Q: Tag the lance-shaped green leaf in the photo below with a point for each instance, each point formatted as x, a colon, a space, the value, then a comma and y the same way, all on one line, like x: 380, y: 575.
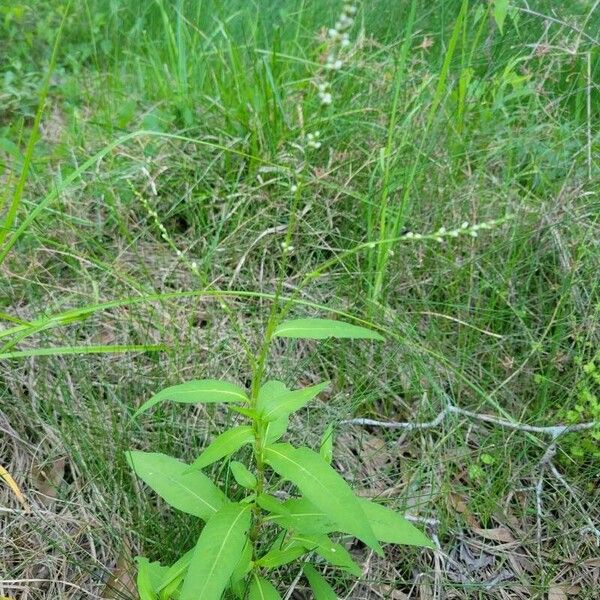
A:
x: 174, y: 575
x: 217, y: 553
x: 223, y: 445
x: 321, y: 589
x: 326, y: 448
x: 275, y: 429
x: 261, y: 589
x: 323, y: 487
x: 281, y: 553
x: 391, y: 527
x: 197, y: 391
x: 192, y: 493
x: 332, y: 552
x: 277, y: 407
x: 270, y: 391
x: 242, y: 475
x: 500, y: 11
x: 148, y: 578
x: 271, y: 504
x: 277, y: 557
x: 320, y: 329
x: 301, y: 516
x: 238, y: 584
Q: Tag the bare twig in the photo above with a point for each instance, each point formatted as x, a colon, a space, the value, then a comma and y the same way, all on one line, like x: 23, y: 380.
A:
x: 554, y: 431
x: 545, y: 464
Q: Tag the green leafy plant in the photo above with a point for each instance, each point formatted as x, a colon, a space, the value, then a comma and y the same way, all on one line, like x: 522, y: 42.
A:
x: 244, y: 541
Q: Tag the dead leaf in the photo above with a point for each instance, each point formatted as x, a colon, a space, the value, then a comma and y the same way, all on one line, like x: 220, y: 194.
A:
x: 459, y: 504
x: 48, y: 479
x: 556, y: 592
x: 425, y: 591
x: 388, y: 592
x: 520, y: 563
x: 426, y: 43
x: 497, y: 534
x: 12, y: 484
x: 121, y: 583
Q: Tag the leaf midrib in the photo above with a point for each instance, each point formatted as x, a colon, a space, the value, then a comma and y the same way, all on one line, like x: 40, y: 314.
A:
x: 313, y: 477
x: 191, y: 491
x: 205, y: 391
x: 234, y: 522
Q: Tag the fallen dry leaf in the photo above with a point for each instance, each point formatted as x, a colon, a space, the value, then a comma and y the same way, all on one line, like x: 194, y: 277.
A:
x: 121, y: 583
x: 12, y: 484
x: 48, y: 479
x: 459, y: 504
x: 426, y: 43
x: 497, y: 534
x: 556, y: 592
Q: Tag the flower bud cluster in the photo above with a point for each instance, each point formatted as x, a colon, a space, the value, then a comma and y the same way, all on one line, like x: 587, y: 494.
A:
x: 164, y: 234
x: 338, y: 40
x: 464, y: 230
x: 312, y: 140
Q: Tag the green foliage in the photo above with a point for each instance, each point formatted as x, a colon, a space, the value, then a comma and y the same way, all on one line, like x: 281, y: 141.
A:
x: 321, y: 485
x: 200, y: 391
x: 320, y: 329
x: 193, y: 493
x: 321, y: 589
x: 585, y: 445
x: 500, y: 13
x: 232, y: 551
x: 242, y: 475
x: 224, y: 445
x: 261, y: 589
x: 218, y: 551
x: 274, y: 407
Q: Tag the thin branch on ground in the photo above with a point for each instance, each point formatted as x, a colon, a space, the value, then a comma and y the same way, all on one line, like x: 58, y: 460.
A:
x: 545, y: 464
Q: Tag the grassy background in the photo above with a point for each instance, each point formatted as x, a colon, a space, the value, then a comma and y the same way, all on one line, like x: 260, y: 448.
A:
x: 433, y: 123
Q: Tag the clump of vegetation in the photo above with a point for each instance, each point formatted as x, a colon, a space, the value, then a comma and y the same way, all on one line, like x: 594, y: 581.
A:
x: 256, y: 533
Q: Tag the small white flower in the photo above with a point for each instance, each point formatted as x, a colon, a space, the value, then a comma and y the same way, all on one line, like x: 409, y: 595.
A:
x: 326, y: 98
x: 293, y: 188
x: 346, y: 21
x: 473, y: 233
x: 323, y: 86
x: 333, y: 33
x: 194, y: 266
x: 350, y: 9
x: 337, y: 65
x: 345, y: 42
x: 465, y: 225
